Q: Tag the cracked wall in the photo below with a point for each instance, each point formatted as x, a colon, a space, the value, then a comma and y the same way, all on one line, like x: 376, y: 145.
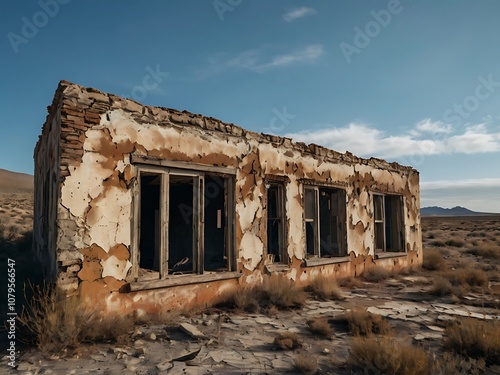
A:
x: 92, y: 181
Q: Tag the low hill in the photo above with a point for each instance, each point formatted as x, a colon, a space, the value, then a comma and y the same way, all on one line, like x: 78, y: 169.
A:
x: 455, y: 211
x: 13, y: 182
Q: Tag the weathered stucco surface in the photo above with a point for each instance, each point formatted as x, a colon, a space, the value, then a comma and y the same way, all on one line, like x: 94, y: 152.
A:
x: 86, y: 149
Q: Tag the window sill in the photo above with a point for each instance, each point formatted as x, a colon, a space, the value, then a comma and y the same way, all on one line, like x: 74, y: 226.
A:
x: 277, y: 267
x: 180, y: 280
x: 312, y: 262
x: 390, y: 255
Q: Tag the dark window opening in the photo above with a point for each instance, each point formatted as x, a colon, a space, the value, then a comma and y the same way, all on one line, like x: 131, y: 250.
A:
x: 276, y: 244
x: 184, y: 223
x: 332, y: 222
x: 215, y: 257
x: 181, y: 225
x: 150, y: 221
x: 388, y: 215
x: 311, y: 221
x: 325, y: 222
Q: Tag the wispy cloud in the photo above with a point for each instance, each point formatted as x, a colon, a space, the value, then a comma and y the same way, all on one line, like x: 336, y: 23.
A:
x: 425, y: 138
x: 296, y: 13
x: 258, y: 60
x: 468, y: 183
x: 309, y: 54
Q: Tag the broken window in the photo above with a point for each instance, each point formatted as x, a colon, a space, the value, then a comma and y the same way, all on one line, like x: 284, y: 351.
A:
x: 388, y: 217
x: 276, y: 238
x: 184, y: 223
x: 325, y: 222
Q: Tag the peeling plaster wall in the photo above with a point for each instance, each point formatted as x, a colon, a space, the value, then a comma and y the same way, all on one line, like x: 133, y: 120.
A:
x: 98, y: 134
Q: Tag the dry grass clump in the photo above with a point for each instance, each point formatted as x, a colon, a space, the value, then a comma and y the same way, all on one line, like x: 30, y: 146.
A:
x: 55, y: 322
x: 376, y: 273
x: 246, y: 300
x: 458, y: 281
x: 384, y: 355
x: 456, y: 242
x: 12, y: 239
x: 451, y: 363
x: 433, y: 260
x: 486, y: 251
x: 321, y: 326
x: 305, y: 363
x: 287, y: 341
x: 278, y: 290
x: 351, y: 282
x: 468, y: 276
x: 475, y: 338
x: 442, y: 287
x: 325, y: 289
x: 476, y: 234
x: 361, y: 322
x: 438, y: 243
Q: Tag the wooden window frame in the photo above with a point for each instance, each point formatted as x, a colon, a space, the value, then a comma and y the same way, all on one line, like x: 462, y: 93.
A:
x: 198, y: 173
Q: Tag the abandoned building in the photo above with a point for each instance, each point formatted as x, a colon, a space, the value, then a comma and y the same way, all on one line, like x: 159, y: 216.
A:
x: 143, y: 208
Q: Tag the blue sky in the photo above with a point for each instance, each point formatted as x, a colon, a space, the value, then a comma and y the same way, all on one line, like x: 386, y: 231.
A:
x: 417, y: 82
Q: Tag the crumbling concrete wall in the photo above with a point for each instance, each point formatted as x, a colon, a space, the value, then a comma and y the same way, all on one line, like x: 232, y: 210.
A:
x: 98, y: 133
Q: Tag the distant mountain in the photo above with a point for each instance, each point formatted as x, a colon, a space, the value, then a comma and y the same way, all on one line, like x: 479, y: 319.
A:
x: 13, y: 182
x: 455, y: 211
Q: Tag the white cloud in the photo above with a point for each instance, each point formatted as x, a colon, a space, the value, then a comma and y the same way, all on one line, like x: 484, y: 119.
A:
x: 469, y: 183
x: 296, y: 13
x: 426, y: 138
x: 433, y: 127
x: 254, y: 60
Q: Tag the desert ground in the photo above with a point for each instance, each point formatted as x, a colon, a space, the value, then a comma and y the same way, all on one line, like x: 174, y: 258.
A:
x: 442, y: 319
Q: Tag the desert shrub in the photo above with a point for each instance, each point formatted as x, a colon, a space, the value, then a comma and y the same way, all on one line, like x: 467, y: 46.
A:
x: 476, y: 234
x: 455, y: 241
x: 376, y: 273
x: 384, y: 355
x: 350, y: 282
x: 467, y: 277
x: 486, y: 251
x: 433, y: 260
x: 321, y: 326
x: 438, y: 243
x: 305, y: 363
x: 451, y: 363
x: 278, y: 290
x: 431, y: 235
x: 245, y: 300
x: 54, y: 322
x: 287, y: 340
x: 359, y: 321
x: 443, y: 287
x: 13, y: 241
x: 474, y: 338
x: 325, y: 288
